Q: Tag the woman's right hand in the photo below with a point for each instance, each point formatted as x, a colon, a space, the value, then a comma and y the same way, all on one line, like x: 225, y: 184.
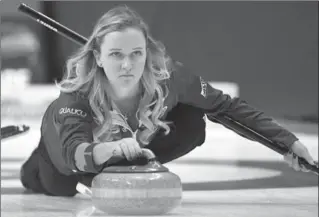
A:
x: 125, y: 148
x: 130, y: 148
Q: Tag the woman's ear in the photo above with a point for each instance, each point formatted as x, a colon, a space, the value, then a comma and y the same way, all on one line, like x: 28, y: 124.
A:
x: 97, y: 57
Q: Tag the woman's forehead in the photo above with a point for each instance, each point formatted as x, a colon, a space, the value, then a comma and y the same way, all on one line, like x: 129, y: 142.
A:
x: 127, y: 39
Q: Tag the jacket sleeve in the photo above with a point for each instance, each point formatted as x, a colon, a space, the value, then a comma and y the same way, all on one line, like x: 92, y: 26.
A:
x: 193, y: 90
x: 74, y: 128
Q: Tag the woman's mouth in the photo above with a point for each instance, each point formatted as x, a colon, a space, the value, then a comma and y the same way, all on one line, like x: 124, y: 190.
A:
x: 126, y: 76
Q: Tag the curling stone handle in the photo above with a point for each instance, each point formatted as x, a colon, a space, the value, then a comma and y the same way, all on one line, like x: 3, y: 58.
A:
x: 83, y: 189
x: 150, y: 156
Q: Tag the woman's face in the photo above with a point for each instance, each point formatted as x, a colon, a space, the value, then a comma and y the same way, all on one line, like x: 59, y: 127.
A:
x: 123, y: 57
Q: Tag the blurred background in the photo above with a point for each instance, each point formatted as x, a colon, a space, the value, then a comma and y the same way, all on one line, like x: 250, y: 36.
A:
x: 268, y: 49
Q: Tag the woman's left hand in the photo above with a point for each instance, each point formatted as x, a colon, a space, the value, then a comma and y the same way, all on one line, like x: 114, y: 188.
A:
x: 298, y: 150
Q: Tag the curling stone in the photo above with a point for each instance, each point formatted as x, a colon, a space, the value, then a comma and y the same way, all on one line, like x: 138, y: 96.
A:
x: 149, y: 189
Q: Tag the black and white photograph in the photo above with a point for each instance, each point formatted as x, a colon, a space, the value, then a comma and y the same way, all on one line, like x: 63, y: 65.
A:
x: 159, y: 108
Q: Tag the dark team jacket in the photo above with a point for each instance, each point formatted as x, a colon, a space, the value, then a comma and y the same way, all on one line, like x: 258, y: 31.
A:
x: 69, y: 120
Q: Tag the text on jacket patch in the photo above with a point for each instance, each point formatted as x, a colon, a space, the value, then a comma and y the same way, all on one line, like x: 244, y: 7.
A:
x: 73, y: 111
x: 204, y: 87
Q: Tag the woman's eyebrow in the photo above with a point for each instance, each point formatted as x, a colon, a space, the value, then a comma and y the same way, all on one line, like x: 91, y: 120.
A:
x: 118, y: 49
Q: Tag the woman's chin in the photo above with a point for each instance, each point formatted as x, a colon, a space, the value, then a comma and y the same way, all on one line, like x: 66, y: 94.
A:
x: 126, y: 86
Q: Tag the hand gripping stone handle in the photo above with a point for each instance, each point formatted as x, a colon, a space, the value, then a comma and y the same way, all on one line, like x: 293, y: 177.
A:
x: 85, y: 190
x: 148, y: 154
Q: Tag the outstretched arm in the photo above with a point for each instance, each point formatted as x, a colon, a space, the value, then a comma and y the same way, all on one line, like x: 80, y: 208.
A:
x: 193, y: 90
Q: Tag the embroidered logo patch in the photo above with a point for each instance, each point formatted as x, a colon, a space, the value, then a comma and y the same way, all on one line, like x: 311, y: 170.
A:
x: 204, y: 87
x: 73, y: 111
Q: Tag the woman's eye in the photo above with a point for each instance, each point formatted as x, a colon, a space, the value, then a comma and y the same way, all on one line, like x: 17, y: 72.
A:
x: 139, y: 53
x: 116, y: 54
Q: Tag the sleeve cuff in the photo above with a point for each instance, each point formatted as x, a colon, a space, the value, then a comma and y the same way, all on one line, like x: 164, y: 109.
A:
x: 290, y: 141
x: 83, y: 159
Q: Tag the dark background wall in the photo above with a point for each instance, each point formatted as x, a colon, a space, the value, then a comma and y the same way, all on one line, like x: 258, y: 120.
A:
x: 270, y: 49
x: 13, y: 23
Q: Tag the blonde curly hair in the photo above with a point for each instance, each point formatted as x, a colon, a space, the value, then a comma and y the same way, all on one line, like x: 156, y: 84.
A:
x: 84, y: 76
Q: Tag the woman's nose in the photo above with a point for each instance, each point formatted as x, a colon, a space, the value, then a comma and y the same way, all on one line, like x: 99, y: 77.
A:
x: 127, y: 64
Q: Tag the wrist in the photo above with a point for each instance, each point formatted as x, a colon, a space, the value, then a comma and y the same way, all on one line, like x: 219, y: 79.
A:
x: 295, y: 145
x: 84, y: 159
